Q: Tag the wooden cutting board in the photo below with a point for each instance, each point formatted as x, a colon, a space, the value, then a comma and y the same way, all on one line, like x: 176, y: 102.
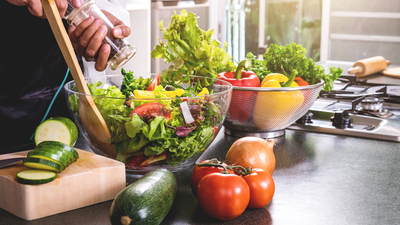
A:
x: 392, y: 72
x: 91, y: 179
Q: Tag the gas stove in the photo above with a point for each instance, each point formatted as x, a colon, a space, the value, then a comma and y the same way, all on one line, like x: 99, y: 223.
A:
x: 356, y: 107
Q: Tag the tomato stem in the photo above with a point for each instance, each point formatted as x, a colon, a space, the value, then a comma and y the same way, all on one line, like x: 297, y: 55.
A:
x: 214, y: 162
x: 240, y: 170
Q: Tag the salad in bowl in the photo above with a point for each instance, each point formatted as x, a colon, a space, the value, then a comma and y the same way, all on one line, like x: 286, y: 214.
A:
x: 156, y: 122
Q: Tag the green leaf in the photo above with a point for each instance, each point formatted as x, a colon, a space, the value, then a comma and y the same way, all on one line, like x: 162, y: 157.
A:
x: 282, y: 59
x: 191, y: 49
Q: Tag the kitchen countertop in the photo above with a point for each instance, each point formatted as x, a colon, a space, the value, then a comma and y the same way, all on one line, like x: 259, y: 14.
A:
x: 319, y: 178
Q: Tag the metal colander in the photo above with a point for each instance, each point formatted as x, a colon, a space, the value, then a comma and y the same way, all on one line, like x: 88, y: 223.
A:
x: 266, y: 112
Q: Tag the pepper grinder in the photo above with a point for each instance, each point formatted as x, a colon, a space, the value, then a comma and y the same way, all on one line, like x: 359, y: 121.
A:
x: 121, y: 50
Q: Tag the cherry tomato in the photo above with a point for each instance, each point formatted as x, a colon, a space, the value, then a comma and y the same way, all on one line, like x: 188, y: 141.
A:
x: 200, y: 172
x: 215, y: 130
x: 262, y: 188
x: 152, y: 110
x: 154, y: 83
x: 223, y: 196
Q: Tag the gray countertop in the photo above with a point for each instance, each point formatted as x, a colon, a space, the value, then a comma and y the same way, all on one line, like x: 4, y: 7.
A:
x: 319, y: 178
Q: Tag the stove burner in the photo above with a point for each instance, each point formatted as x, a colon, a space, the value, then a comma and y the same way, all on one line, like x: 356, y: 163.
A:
x: 372, y: 104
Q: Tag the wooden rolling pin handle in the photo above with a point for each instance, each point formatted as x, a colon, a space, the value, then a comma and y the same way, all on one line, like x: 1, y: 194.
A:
x: 355, y: 70
x: 388, y: 63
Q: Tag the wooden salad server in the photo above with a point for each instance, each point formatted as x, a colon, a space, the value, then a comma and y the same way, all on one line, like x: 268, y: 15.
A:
x: 91, y: 118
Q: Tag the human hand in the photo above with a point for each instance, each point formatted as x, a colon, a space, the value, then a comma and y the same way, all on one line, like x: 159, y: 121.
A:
x: 87, y: 38
x: 36, y: 9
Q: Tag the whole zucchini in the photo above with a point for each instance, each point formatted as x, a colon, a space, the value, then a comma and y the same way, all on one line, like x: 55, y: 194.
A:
x: 146, y: 201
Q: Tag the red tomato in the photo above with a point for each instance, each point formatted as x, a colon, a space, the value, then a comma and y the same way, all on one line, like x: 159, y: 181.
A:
x: 262, y: 188
x: 128, y: 103
x: 154, y: 83
x: 200, y: 172
x: 215, y: 130
x: 223, y: 196
x: 152, y: 110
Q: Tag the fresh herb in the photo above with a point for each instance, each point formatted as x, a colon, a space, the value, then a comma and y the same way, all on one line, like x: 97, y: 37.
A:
x: 190, y: 49
x: 131, y: 83
x: 278, y: 59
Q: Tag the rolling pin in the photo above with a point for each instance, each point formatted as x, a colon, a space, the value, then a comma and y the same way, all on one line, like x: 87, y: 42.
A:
x: 369, y: 66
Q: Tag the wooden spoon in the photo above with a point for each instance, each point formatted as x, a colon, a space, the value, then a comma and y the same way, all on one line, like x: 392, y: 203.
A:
x: 91, y: 118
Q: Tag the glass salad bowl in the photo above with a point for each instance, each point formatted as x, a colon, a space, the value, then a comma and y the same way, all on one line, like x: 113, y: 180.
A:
x: 168, y: 127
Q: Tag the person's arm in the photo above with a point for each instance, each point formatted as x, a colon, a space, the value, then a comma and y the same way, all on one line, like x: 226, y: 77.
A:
x: 87, y: 38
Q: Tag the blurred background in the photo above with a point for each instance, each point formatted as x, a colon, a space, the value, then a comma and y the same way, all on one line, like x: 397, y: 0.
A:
x: 342, y: 30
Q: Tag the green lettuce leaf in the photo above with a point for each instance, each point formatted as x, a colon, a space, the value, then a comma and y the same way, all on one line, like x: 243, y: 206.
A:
x: 135, y: 126
x: 156, y: 131
x: 190, y: 49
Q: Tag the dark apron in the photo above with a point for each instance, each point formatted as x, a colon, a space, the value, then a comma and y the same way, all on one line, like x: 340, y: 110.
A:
x: 32, y: 69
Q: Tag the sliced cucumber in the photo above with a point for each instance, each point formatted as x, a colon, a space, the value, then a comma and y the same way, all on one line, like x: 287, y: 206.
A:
x: 35, y: 176
x: 59, y: 146
x: 42, y: 164
x: 67, y: 154
x: 57, y: 129
x: 51, y: 155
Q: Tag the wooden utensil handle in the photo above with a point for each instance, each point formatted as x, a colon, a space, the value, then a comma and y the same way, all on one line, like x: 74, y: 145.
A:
x: 51, y: 11
x: 354, y: 70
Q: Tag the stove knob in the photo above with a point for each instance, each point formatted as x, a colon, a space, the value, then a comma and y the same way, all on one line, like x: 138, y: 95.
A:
x: 342, y: 120
x: 305, y: 119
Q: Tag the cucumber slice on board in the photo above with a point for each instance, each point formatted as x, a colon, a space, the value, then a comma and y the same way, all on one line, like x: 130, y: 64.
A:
x: 57, y: 129
x: 42, y: 164
x: 50, y: 155
x: 67, y: 154
x: 35, y: 176
x: 59, y: 146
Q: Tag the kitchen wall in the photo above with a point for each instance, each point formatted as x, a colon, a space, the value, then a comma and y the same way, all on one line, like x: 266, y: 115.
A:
x: 364, y: 28
x: 354, y: 29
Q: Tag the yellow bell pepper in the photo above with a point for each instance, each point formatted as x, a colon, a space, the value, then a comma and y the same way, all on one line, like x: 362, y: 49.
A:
x: 203, y: 92
x: 276, y: 77
x: 143, y: 94
x: 273, y: 110
x: 151, y: 94
x: 172, y: 94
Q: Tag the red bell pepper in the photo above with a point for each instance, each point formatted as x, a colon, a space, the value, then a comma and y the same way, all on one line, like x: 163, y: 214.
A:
x: 300, y: 81
x: 242, y: 102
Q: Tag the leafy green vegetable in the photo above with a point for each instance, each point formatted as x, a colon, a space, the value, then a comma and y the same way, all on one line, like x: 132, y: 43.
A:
x: 280, y: 59
x: 131, y: 83
x: 190, y: 49
x: 135, y: 126
x: 114, y: 104
x: 133, y: 135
